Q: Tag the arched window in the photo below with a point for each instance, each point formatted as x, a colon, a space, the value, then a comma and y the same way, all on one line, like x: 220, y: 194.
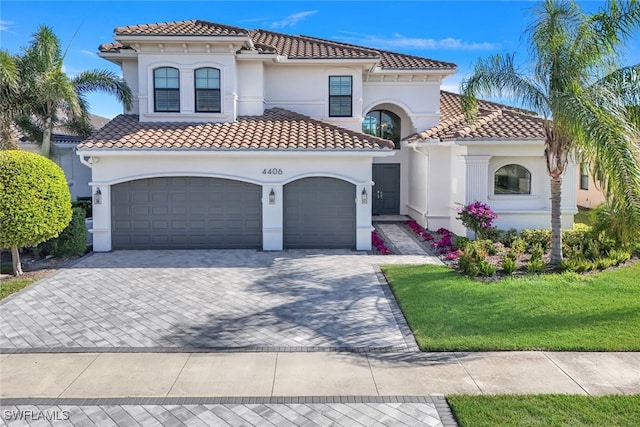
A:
x: 166, y: 90
x: 384, y: 124
x: 512, y: 179
x: 207, y: 88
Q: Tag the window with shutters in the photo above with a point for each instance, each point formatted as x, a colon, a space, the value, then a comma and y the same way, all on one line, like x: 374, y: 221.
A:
x: 340, y: 94
x: 207, y: 90
x: 166, y: 90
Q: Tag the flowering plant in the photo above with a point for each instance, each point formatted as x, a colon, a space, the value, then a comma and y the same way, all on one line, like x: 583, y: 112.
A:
x: 378, y: 243
x: 419, y: 230
x: 478, y: 217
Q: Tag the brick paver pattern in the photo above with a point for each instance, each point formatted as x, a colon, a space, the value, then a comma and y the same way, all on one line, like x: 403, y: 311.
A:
x: 207, y: 299
x: 262, y: 414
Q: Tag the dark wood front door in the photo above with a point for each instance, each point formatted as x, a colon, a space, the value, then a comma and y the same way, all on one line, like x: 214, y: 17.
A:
x: 386, y: 189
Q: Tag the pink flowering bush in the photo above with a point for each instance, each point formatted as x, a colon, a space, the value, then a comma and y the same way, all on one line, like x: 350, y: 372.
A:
x: 421, y: 232
x: 478, y: 217
x: 378, y: 243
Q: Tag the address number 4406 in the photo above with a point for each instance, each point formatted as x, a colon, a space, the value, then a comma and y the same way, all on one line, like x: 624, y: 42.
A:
x: 272, y: 171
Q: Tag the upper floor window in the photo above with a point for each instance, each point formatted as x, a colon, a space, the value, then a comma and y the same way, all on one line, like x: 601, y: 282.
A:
x: 166, y: 89
x: 384, y: 124
x: 340, y: 96
x: 207, y: 87
x: 584, y: 176
x: 512, y: 179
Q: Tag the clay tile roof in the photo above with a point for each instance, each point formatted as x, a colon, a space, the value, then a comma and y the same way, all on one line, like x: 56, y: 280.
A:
x: 194, y: 27
x: 112, y: 47
x: 304, y: 47
x: 277, y: 129
x: 494, y: 121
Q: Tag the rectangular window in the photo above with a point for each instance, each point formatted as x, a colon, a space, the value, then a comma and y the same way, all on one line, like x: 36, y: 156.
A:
x: 166, y: 87
x: 584, y: 177
x: 340, y: 91
x: 207, y: 87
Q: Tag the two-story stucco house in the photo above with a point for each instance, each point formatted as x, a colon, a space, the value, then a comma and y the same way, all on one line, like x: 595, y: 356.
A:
x: 254, y: 139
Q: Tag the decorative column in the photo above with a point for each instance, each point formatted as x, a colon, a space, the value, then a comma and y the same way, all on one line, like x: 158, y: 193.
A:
x: 363, y: 216
x: 101, y: 229
x: 272, y: 217
x: 477, y: 178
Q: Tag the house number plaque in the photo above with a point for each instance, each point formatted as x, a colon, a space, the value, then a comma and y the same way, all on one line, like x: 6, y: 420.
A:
x: 273, y: 171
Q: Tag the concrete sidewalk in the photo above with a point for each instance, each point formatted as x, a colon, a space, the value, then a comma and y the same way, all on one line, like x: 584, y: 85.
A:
x: 166, y: 375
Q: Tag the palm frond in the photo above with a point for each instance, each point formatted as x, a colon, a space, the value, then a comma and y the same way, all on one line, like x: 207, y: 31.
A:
x: 104, y: 81
x: 497, y: 76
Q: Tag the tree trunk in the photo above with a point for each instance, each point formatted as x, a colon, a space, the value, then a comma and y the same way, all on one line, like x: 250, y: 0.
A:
x: 15, y: 257
x: 45, y: 148
x: 556, y: 223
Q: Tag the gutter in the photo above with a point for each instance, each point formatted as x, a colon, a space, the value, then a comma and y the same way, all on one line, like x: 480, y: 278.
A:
x: 92, y: 153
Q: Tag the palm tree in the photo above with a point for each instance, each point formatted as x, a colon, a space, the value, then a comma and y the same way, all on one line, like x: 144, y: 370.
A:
x: 589, y: 103
x: 9, y: 100
x: 55, y: 99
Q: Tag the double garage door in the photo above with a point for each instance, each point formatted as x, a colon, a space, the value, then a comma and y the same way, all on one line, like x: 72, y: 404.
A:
x: 214, y: 213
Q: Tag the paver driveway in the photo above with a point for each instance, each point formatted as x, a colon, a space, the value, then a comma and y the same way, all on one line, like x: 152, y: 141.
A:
x: 209, y: 299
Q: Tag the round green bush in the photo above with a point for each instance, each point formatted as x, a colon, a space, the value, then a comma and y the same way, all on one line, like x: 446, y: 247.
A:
x: 35, y: 204
x: 71, y: 242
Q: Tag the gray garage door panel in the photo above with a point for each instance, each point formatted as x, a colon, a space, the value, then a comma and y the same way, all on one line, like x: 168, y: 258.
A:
x: 319, y: 213
x: 186, y: 212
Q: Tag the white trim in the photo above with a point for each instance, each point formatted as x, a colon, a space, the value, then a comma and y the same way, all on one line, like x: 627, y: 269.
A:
x: 234, y: 153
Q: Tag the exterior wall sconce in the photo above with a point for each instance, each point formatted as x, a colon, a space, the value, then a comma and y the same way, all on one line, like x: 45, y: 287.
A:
x: 97, y: 196
x: 364, y: 196
x: 272, y: 197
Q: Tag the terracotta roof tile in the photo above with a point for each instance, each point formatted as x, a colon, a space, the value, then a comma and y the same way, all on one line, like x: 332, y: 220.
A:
x: 294, y: 47
x: 494, y: 121
x: 194, y: 27
x: 277, y: 129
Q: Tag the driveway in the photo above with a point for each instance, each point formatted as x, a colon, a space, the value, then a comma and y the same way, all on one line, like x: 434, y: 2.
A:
x: 210, y: 300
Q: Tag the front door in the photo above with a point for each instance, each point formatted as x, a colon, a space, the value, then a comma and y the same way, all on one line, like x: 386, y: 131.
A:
x: 386, y: 189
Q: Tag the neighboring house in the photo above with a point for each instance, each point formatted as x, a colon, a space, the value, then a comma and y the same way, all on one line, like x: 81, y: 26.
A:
x: 589, y: 193
x: 64, y: 154
x: 255, y: 139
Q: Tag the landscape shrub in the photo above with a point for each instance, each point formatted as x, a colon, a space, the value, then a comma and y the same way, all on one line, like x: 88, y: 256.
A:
x: 486, y: 268
x: 507, y: 237
x: 471, y: 257
x: 532, y: 238
x: 518, y: 246
x: 619, y: 255
x: 461, y: 242
x: 535, y: 266
x: 72, y: 241
x: 84, y: 203
x: 478, y: 217
x: 509, y: 264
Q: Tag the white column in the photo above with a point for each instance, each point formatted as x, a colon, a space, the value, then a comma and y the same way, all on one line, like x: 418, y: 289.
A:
x: 272, y: 217
x: 101, y: 218
x: 477, y: 178
x: 363, y: 217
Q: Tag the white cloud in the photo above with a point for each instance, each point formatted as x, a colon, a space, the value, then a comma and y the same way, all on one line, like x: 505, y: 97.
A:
x: 88, y: 53
x: 293, y: 19
x: 4, y: 25
x: 398, y: 41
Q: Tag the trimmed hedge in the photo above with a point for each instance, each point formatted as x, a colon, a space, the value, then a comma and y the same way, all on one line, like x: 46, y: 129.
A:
x: 71, y: 242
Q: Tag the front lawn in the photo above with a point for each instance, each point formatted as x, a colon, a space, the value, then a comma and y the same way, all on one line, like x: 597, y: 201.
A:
x: 450, y: 312
x: 14, y: 284
x: 545, y: 410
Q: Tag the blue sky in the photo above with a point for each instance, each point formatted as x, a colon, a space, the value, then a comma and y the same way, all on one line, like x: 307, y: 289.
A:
x: 454, y: 31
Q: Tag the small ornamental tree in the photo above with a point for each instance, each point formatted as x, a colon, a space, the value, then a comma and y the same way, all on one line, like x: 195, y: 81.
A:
x: 35, y: 204
x: 478, y: 217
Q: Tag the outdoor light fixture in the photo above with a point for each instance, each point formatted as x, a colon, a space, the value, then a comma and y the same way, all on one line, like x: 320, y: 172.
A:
x: 364, y: 196
x: 272, y: 197
x: 97, y: 196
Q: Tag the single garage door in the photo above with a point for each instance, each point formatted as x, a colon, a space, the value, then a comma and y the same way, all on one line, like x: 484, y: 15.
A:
x: 319, y: 213
x: 185, y: 213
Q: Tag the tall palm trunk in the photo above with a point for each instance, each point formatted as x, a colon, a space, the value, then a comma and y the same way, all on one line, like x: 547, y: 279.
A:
x: 45, y: 148
x: 556, y: 220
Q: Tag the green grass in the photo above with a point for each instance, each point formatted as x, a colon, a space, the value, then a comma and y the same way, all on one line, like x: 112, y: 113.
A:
x: 450, y: 312
x: 14, y: 284
x: 546, y: 410
x: 583, y: 217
